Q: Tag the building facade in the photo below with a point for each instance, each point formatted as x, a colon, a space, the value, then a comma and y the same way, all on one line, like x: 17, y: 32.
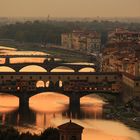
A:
x: 84, y: 41
x: 122, y: 52
x: 123, y: 35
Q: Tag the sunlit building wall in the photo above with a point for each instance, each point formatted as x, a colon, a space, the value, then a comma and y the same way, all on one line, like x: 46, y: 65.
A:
x: 85, y: 41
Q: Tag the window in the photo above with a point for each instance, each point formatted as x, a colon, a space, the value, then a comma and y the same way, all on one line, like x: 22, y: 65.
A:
x: 115, y: 77
x: 96, y: 77
x: 73, y: 138
x: 30, y: 77
x: 106, y: 78
x: 62, y: 137
x: 68, y: 78
x: 137, y: 84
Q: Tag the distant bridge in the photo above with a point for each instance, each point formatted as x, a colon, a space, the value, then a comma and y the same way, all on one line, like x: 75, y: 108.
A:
x: 49, y: 66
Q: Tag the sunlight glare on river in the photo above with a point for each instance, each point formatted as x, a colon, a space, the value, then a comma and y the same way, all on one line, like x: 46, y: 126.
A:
x: 8, y: 103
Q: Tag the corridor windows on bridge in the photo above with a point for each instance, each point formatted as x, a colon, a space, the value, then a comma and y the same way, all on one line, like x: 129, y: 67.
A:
x: 40, y: 77
x: 106, y: 78
x: 2, y: 77
x: 96, y: 78
x: 73, y: 138
x: 59, y: 77
x: 115, y: 77
x: 60, y: 83
x: 87, y: 78
x: 21, y: 77
x: 11, y: 77
x: 68, y: 78
x: 40, y: 84
x: 18, y: 88
x: 31, y: 77
x: 62, y: 137
x: 47, y: 84
x: 137, y: 84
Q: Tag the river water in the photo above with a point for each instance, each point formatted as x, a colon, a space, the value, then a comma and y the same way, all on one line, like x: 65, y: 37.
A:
x: 52, y: 109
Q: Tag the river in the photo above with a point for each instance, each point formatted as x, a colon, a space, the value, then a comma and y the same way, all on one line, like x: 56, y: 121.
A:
x: 52, y: 109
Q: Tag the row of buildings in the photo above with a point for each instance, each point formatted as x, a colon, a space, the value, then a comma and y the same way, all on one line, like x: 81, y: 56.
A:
x: 84, y: 41
x: 120, y: 35
x: 122, y: 52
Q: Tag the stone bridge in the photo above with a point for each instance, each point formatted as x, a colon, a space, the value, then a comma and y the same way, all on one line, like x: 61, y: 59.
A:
x: 48, y: 65
x: 73, y: 85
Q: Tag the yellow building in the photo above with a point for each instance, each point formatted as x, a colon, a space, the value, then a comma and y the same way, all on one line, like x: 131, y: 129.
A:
x: 85, y: 41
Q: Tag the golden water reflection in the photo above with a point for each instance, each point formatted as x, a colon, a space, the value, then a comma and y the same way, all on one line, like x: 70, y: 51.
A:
x: 51, y: 109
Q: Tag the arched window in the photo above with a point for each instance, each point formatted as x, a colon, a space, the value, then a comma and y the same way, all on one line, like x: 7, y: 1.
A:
x: 47, y: 83
x: 60, y: 83
x: 40, y: 84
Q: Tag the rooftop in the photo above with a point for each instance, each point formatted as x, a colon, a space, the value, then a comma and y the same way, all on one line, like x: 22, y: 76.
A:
x: 70, y: 126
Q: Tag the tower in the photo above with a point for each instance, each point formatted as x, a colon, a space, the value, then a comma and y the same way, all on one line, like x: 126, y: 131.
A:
x: 70, y: 131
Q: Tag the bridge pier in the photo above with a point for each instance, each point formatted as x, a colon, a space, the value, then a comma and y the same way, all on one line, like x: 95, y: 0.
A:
x: 7, y: 60
x: 23, y: 103
x: 74, y: 100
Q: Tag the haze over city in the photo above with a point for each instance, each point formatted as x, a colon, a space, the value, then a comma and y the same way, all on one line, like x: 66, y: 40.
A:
x: 69, y: 69
x: 70, y: 8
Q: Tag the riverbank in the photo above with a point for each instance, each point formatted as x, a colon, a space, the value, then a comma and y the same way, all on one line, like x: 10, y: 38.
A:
x: 66, y: 55
x: 128, y: 113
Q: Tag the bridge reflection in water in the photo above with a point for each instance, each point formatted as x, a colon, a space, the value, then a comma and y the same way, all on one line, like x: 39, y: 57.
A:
x: 56, y: 112
x: 30, y: 116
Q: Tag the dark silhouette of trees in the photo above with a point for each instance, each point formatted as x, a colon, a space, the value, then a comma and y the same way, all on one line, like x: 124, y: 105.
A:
x: 50, y: 31
x: 50, y: 134
x: 9, y: 133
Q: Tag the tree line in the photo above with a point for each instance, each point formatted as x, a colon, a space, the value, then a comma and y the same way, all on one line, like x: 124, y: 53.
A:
x: 50, y: 31
x: 10, y: 133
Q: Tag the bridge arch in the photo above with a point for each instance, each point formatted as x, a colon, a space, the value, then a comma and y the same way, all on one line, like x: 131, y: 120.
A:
x: 8, y: 102
x: 49, y: 92
x: 62, y: 69
x: 32, y: 68
x: 87, y: 69
x: 6, y: 69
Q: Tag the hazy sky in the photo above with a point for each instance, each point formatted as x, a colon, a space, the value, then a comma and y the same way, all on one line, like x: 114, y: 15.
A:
x: 70, y: 8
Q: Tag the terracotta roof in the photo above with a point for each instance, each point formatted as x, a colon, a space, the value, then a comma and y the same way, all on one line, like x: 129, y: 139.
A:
x: 70, y: 126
